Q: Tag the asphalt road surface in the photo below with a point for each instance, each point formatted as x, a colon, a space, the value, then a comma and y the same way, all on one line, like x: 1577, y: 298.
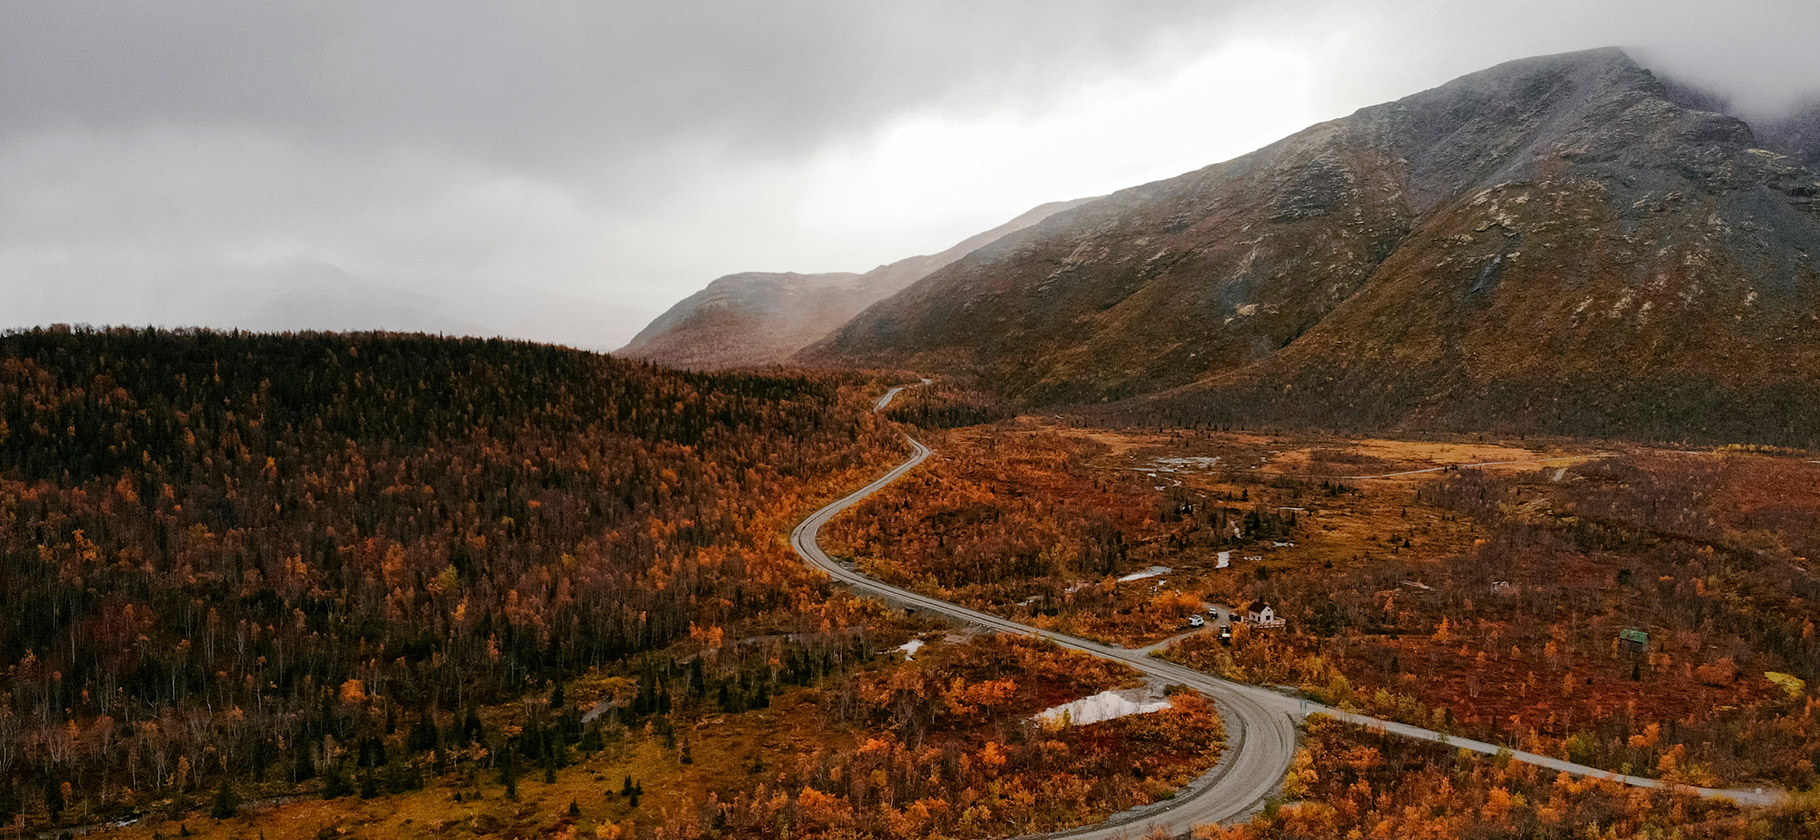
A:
x: 1260, y: 728
x: 1260, y: 723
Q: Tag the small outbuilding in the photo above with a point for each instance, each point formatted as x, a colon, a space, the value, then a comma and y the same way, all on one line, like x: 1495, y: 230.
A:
x: 1261, y: 615
x: 1633, y: 640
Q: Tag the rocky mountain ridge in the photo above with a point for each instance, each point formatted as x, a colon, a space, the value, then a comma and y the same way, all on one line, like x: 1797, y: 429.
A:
x: 1553, y: 244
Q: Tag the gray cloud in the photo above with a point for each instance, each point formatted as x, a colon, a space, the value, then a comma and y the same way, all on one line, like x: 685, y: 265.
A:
x: 528, y: 83
x: 561, y: 170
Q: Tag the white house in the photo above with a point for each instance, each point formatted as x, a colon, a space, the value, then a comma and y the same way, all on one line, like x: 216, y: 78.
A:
x: 1261, y: 616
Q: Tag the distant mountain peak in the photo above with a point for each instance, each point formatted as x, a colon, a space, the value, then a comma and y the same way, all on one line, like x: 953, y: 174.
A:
x: 758, y: 318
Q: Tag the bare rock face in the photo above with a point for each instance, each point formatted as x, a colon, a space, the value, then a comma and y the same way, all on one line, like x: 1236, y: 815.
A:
x: 761, y: 318
x: 1550, y: 244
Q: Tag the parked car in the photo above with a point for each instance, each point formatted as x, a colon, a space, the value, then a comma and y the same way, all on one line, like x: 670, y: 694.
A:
x: 1225, y: 634
x: 1196, y: 621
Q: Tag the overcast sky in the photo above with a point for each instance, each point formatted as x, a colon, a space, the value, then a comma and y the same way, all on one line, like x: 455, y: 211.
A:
x: 564, y: 172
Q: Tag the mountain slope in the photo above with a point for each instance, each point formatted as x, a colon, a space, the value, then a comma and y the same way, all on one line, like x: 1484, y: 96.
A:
x: 745, y: 319
x: 760, y: 318
x: 1797, y: 134
x: 1553, y: 227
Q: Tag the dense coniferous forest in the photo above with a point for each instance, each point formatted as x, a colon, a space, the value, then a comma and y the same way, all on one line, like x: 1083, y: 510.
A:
x: 263, y: 557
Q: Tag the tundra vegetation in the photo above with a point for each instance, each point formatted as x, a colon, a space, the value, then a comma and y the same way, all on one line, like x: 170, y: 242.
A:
x: 1349, y: 782
x: 1481, y: 601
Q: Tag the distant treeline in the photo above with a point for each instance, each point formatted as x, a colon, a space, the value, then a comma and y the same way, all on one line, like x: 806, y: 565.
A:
x: 1695, y: 411
x: 944, y: 405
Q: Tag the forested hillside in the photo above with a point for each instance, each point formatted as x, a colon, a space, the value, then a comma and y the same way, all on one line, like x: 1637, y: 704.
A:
x: 262, y: 558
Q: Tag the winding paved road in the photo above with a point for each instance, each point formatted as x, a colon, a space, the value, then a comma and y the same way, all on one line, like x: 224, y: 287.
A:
x: 1260, y: 731
x: 1260, y: 724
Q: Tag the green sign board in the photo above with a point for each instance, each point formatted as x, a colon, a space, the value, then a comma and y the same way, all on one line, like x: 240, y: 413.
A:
x: 1635, y: 637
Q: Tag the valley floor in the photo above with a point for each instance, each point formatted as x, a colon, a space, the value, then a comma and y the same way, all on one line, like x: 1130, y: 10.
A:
x: 1476, y: 587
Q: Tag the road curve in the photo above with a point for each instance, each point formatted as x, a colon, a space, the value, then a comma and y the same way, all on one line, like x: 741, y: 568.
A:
x: 1260, y: 727
x: 1260, y: 724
